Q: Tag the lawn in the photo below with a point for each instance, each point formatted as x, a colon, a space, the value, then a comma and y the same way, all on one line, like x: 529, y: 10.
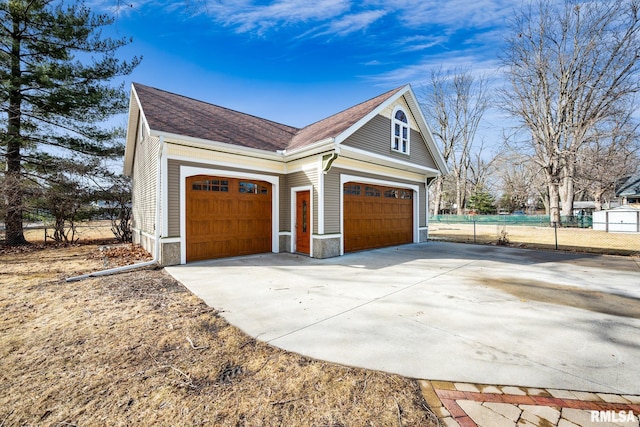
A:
x: 570, y: 239
x: 139, y: 348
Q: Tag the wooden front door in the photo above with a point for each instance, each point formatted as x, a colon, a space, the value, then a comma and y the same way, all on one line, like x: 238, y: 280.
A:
x: 376, y: 216
x: 303, y: 223
x: 227, y: 217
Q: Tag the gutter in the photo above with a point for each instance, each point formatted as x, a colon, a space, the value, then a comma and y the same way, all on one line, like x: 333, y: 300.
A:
x: 156, y: 255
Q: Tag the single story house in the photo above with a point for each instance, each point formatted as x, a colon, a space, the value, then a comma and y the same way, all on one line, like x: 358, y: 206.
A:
x: 629, y: 191
x: 210, y: 182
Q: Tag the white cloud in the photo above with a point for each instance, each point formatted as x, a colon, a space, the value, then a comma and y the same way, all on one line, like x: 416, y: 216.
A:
x: 351, y: 23
x: 420, y: 72
x: 246, y: 16
x: 420, y: 42
x: 453, y: 14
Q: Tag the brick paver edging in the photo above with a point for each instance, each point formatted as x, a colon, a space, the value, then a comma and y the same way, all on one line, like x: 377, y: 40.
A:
x: 442, y: 397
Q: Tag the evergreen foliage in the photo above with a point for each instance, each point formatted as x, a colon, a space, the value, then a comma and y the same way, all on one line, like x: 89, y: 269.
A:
x: 57, y: 90
x: 482, y: 202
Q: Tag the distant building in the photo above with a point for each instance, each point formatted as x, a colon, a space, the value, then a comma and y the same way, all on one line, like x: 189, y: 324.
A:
x: 629, y: 192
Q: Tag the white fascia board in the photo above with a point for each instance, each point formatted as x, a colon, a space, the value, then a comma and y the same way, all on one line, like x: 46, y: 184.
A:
x: 132, y: 137
x: 357, y: 125
x: 388, y: 161
x: 135, y: 110
x: 217, y: 146
x: 424, y: 128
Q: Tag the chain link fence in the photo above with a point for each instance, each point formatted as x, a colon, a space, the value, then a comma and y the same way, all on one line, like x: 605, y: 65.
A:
x: 533, y: 231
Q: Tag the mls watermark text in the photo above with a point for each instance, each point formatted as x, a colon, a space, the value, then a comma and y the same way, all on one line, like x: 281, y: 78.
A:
x: 613, y: 417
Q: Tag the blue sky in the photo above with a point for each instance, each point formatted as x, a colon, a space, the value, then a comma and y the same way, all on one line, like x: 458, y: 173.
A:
x: 298, y: 61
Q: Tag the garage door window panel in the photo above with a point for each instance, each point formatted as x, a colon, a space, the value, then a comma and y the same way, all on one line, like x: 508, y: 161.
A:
x: 211, y: 185
x: 245, y: 187
x: 352, y: 189
x: 372, y: 191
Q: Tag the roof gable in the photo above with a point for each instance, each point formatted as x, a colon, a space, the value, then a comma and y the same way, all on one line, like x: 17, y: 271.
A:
x: 333, y: 126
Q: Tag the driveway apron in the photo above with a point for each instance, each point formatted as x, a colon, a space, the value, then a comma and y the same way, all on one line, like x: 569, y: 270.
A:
x: 442, y: 311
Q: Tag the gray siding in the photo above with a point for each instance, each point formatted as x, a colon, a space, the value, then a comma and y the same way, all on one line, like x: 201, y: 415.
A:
x: 285, y: 204
x: 173, y: 198
x: 375, y: 137
x: 299, y: 179
x: 174, y: 189
x: 419, y: 151
x: 332, y: 201
x: 144, y: 185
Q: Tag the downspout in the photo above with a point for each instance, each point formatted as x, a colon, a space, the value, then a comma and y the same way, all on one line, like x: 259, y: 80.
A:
x: 156, y: 255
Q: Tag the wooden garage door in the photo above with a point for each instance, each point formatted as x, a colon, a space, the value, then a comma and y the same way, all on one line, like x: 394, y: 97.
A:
x: 227, y: 217
x: 376, y: 216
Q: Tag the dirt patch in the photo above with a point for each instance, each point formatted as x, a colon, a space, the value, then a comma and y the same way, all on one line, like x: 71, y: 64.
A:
x: 138, y: 348
x: 570, y: 296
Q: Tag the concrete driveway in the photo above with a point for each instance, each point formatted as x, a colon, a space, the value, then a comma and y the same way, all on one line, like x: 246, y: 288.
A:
x: 442, y: 311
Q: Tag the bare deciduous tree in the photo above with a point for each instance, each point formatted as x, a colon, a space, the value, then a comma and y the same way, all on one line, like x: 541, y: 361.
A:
x: 480, y: 170
x: 454, y: 104
x: 117, y: 197
x: 519, y: 178
x: 569, y: 67
x: 610, y: 156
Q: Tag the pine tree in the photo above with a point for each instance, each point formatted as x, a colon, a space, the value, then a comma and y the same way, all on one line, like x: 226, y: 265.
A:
x: 481, y: 201
x: 56, y: 91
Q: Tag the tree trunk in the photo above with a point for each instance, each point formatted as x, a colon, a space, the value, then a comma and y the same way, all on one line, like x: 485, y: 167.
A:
x: 437, y: 195
x: 554, y: 204
x: 553, y: 185
x: 460, y: 193
x: 567, y: 191
x: 546, y: 204
x: 13, y: 197
x: 598, y: 199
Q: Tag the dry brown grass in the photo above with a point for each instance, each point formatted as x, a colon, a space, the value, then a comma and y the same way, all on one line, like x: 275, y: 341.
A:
x: 85, y: 231
x: 569, y: 239
x: 139, y: 349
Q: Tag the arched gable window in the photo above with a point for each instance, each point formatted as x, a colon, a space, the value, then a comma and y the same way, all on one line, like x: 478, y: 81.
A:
x: 400, y: 131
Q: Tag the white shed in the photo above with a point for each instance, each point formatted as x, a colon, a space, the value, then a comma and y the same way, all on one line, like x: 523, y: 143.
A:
x: 624, y: 219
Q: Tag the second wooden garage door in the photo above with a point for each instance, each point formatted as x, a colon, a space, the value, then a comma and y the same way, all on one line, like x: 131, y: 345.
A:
x: 227, y: 217
x: 376, y: 216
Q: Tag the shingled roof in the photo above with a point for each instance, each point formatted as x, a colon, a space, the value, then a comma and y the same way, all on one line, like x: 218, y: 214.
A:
x: 334, y: 125
x: 180, y: 115
x: 631, y: 187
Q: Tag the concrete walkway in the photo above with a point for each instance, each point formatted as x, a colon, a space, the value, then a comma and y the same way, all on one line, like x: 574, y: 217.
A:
x: 443, y: 311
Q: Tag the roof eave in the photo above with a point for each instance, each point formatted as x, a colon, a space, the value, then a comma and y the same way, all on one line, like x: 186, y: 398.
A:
x: 130, y: 140
x: 426, y: 130
x: 309, y: 150
x: 207, y: 144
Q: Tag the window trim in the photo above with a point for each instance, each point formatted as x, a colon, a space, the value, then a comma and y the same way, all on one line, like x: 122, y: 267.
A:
x: 402, y: 125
